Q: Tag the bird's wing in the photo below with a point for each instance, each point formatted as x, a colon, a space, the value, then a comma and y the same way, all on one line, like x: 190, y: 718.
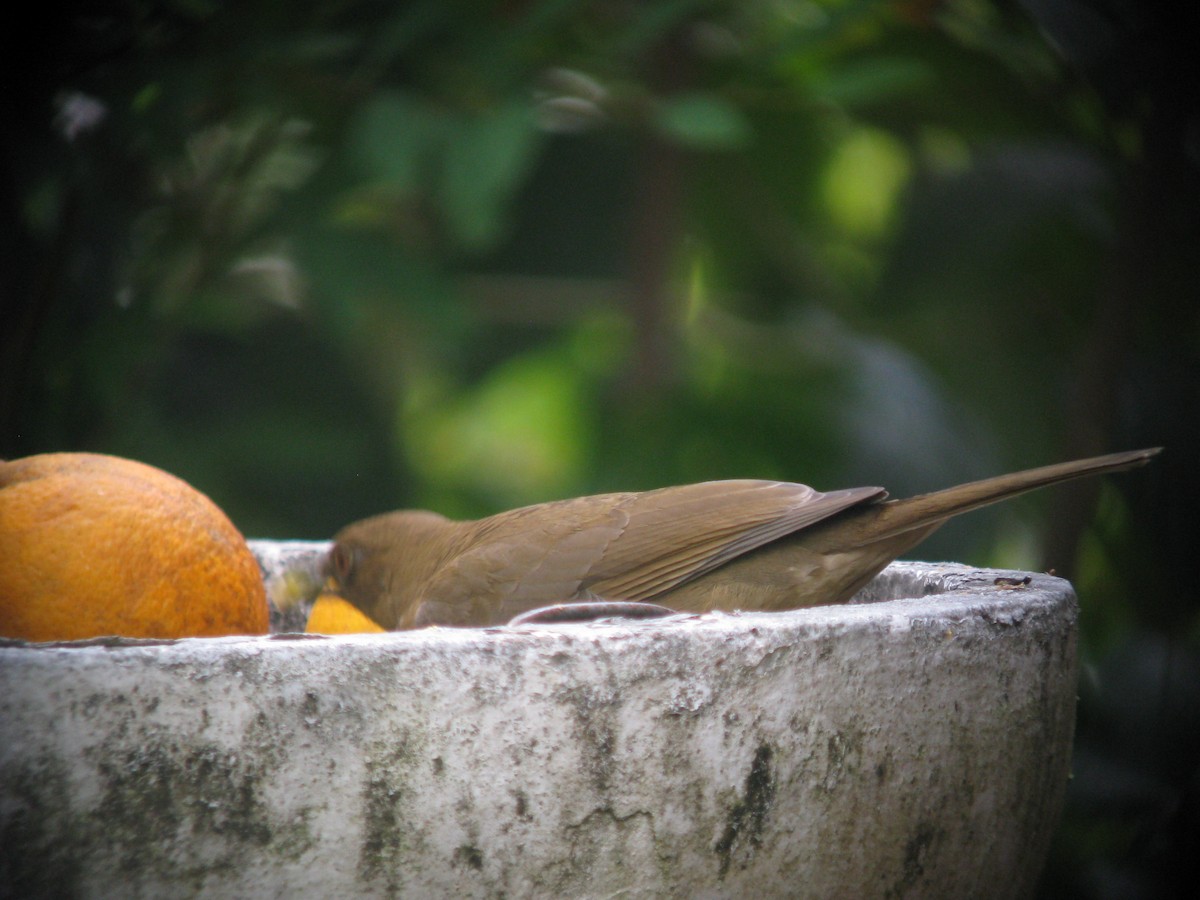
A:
x: 631, y: 546
x: 678, y: 534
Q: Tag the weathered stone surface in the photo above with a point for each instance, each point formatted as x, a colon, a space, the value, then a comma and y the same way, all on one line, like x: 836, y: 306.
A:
x: 906, y: 748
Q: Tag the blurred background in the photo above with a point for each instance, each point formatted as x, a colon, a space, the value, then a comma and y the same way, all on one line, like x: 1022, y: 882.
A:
x: 325, y: 259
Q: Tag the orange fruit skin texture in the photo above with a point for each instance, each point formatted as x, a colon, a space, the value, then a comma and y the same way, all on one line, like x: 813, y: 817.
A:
x: 94, y: 545
x: 333, y: 615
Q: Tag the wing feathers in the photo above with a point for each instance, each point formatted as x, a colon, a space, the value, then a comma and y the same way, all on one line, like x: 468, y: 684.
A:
x: 681, y: 534
x: 628, y: 546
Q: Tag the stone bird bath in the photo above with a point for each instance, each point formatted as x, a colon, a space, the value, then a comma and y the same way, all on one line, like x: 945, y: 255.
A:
x: 914, y: 744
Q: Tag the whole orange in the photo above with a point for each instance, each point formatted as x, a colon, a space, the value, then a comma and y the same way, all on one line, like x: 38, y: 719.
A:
x: 96, y: 545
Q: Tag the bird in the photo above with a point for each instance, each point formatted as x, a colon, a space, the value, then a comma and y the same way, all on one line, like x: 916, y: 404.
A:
x: 715, y: 545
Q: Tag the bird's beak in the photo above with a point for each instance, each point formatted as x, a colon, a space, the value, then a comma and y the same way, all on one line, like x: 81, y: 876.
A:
x: 289, y: 589
x: 293, y: 578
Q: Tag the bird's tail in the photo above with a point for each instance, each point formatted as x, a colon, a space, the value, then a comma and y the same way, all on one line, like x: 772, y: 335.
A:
x: 925, y: 510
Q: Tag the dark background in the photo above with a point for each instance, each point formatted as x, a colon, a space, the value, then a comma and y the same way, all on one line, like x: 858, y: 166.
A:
x: 328, y: 259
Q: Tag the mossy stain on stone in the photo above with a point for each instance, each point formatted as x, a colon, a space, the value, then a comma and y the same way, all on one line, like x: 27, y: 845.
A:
x: 744, y: 826
x: 164, y: 793
x: 469, y: 856
x: 917, y: 850
x: 39, y: 846
x: 386, y: 835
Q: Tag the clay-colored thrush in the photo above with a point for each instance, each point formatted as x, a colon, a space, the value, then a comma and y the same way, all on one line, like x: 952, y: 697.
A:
x: 762, y: 545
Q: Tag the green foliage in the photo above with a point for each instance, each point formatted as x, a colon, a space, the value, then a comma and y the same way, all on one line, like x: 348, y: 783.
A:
x: 704, y: 122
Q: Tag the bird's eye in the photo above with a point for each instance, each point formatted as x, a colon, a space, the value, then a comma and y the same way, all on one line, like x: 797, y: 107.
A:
x: 342, y: 560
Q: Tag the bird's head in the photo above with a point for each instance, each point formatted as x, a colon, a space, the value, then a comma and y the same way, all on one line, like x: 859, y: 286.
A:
x: 381, y: 564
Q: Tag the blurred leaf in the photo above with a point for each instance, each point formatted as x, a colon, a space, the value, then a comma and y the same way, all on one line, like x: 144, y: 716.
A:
x: 874, y: 80
x: 485, y: 161
x: 521, y: 433
x: 468, y: 166
x: 704, y: 121
x: 864, y: 179
x: 654, y: 21
x: 397, y: 138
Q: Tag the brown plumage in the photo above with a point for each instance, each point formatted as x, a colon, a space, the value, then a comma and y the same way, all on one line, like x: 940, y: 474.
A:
x: 715, y: 545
